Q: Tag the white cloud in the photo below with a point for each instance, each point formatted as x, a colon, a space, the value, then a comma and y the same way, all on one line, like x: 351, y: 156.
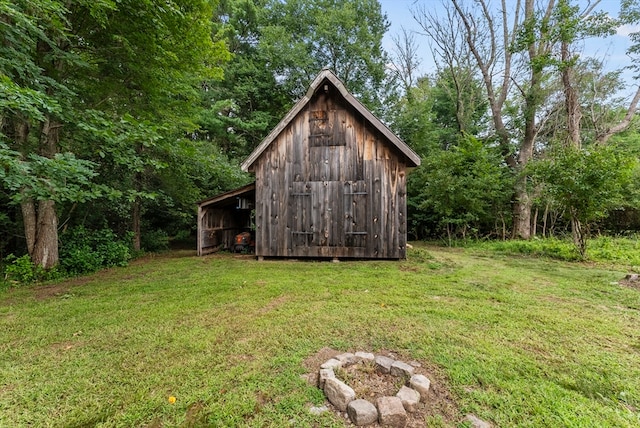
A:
x: 626, y: 29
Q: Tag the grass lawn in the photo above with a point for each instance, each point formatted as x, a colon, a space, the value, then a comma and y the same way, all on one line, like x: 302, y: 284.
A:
x: 518, y: 341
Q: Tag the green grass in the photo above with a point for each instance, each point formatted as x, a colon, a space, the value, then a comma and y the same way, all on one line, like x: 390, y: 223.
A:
x: 604, y: 249
x: 519, y: 341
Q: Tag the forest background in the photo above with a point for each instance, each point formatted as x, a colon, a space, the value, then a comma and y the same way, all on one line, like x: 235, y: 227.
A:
x: 116, y: 117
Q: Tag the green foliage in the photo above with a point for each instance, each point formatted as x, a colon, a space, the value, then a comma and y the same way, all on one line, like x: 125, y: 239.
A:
x: 21, y: 271
x: 458, y: 192
x: 630, y: 15
x: 462, y: 186
x: 112, y: 84
x: 415, y: 120
x: 618, y: 250
x: 83, y: 251
x: 61, y: 178
x: 306, y: 35
x: 586, y: 183
x: 155, y: 241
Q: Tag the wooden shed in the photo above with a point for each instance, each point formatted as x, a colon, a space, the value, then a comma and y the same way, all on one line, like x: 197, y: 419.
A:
x: 222, y: 217
x: 330, y: 180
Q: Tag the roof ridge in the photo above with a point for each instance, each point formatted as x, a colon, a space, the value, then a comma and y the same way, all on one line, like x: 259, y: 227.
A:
x: 328, y: 74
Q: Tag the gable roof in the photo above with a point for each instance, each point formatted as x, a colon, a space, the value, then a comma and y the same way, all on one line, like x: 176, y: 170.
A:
x: 326, y: 74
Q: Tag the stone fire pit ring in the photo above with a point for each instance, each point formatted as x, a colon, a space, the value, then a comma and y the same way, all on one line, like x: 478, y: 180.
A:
x: 388, y: 410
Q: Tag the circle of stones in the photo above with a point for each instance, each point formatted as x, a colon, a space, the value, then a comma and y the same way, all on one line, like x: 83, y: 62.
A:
x: 388, y: 411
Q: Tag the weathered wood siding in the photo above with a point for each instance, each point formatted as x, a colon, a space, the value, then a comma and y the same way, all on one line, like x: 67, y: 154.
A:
x: 218, y: 227
x: 329, y: 186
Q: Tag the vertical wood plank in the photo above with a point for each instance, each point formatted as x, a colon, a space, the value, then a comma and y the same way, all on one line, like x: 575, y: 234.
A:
x: 402, y: 213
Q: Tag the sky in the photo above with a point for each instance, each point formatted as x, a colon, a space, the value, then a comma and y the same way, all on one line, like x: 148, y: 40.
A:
x: 612, y: 49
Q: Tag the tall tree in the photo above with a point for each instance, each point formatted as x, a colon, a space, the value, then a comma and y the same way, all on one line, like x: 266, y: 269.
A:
x: 490, y: 41
x: 278, y: 47
x: 36, y: 102
x: 517, y: 51
x: 630, y: 15
x: 241, y: 109
x: 304, y: 36
x: 461, y: 186
x: 141, y: 58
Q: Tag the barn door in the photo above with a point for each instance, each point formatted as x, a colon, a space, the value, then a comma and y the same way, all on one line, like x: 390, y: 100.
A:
x: 300, y: 217
x: 317, y: 215
x: 330, y: 213
x: 355, y: 213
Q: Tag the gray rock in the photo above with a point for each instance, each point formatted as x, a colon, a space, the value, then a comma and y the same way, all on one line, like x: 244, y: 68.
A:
x: 415, y: 364
x: 410, y: 398
x: 318, y: 410
x: 338, y: 393
x: 400, y: 368
x: 346, y: 359
x: 331, y: 364
x: 476, y: 422
x: 324, y: 375
x: 383, y: 364
x: 362, y: 412
x: 421, y: 384
x: 391, y: 412
x: 365, y: 356
x: 632, y: 277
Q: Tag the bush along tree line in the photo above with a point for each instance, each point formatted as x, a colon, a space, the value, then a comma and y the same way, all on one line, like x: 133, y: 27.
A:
x: 116, y: 117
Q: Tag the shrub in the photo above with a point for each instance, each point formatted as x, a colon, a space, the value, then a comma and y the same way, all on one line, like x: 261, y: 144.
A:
x: 155, y: 241
x: 20, y: 270
x: 83, y: 251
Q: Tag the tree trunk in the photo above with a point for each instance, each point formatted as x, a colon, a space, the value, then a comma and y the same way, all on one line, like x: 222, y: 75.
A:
x: 30, y: 222
x: 45, y: 251
x: 544, y: 220
x: 136, y: 224
x: 572, y: 104
x: 578, y: 235
x: 522, y: 211
x: 41, y: 224
x: 533, y: 100
x: 41, y: 232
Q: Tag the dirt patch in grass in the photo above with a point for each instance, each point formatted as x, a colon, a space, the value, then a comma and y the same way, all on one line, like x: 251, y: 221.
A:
x: 408, y: 268
x: 6, y: 389
x: 196, y: 415
x: 273, y: 304
x: 631, y: 283
x: 43, y: 292
x: 64, y: 346
x: 440, y: 408
x: 49, y: 291
x: 313, y: 362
